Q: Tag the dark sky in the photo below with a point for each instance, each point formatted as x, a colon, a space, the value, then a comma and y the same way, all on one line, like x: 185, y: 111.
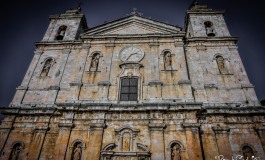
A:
x: 25, y: 22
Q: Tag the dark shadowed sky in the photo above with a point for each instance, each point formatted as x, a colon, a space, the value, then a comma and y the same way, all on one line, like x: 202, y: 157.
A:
x: 25, y: 22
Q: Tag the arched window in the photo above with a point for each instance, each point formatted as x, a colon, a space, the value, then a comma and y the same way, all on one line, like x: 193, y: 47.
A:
x: 221, y: 64
x: 46, y: 67
x: 129, y: 89
x: 94, y: 62
x: 60, y: 33
x: 77, y: 151
x: 167, y: 60
x: 16, y: 149
x: 209, y: 28
x: 175, y: 149
x: 248, y: 152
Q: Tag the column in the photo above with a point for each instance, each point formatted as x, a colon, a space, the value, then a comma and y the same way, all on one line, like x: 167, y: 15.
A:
x: 157, y: 141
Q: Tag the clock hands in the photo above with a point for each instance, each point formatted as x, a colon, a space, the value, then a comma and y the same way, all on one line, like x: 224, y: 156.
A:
x: 130, y: 55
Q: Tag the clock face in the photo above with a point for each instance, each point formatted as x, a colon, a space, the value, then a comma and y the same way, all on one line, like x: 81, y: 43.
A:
x: 131, y: 54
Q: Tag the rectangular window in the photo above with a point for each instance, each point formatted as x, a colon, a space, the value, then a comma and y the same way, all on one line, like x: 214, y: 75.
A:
x: 129, y: 89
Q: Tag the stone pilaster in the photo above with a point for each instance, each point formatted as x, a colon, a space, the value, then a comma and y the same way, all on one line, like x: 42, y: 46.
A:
x: 103, y: 90
x: 210, y: 147
x: 75, y: 87
x: 62, y: 64
x: 154, y: 62
x: 261, y: 133
x: 37, y: 142
x: 21, y: 90
x: 33, y: 64
x: 62, y: 140
x: 157, y: 141
x: 222, y: 138
x: 155, y: 90
x: 108, y: 58
x: 193, y: 140
x: 95, y: 140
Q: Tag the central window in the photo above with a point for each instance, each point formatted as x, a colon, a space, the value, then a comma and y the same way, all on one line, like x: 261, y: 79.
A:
x: 129, y: 89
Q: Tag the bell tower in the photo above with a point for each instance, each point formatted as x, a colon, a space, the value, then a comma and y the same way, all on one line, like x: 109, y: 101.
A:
x: 215, y: 67
x: 66, y: 27
x: 202, y: 21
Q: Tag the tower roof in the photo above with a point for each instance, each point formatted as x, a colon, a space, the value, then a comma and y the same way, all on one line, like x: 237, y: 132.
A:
x: 195, y: 7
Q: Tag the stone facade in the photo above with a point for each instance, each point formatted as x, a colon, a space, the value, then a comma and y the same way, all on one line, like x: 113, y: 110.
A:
x: 135, y: 89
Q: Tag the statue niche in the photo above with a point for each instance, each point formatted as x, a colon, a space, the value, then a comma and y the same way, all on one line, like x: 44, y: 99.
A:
x: 126, y: 142
x: 126, y: 147
x: 167, y: 61
x: 248, y: 152
x: 94, y: 62
x: 221, y: 64
x: 175, y: 151
x: 47, y: 66
x: 77, y: 151
x: 15, y: 151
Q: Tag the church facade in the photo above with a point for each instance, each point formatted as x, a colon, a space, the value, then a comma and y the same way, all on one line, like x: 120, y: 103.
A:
x: 135, y: 89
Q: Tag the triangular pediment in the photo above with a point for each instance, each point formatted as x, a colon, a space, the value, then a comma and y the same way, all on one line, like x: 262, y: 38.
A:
x: 133, y: 28
x: 133, y: 25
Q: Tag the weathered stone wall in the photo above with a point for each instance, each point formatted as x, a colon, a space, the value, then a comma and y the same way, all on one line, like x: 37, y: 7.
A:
x: 189, y: 109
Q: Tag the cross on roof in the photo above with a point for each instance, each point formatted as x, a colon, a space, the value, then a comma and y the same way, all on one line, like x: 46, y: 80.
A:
x: 134, y: 12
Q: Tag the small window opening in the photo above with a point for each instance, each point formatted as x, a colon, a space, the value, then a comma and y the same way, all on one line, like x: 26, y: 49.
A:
x: 61, y: 33
x: 209, y: 28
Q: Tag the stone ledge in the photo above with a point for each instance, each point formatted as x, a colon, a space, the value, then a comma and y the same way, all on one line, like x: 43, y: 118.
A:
x: 210, y: 86
x: 7, y: 127
x: 169, y: 70
x: 41, y: 128
x: 76, y: 83
x: 68, y: 125
x: 54, y: 88
x: 221, y: 129
x: 95, y: 126
x: 155, y: 82
x: 156, y: 126
x: 104, y: 83
x: 21, y: 88
x: 184, y: 82
x: 191, y: 125
x: 247, y: 85
x: 201, y: 47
